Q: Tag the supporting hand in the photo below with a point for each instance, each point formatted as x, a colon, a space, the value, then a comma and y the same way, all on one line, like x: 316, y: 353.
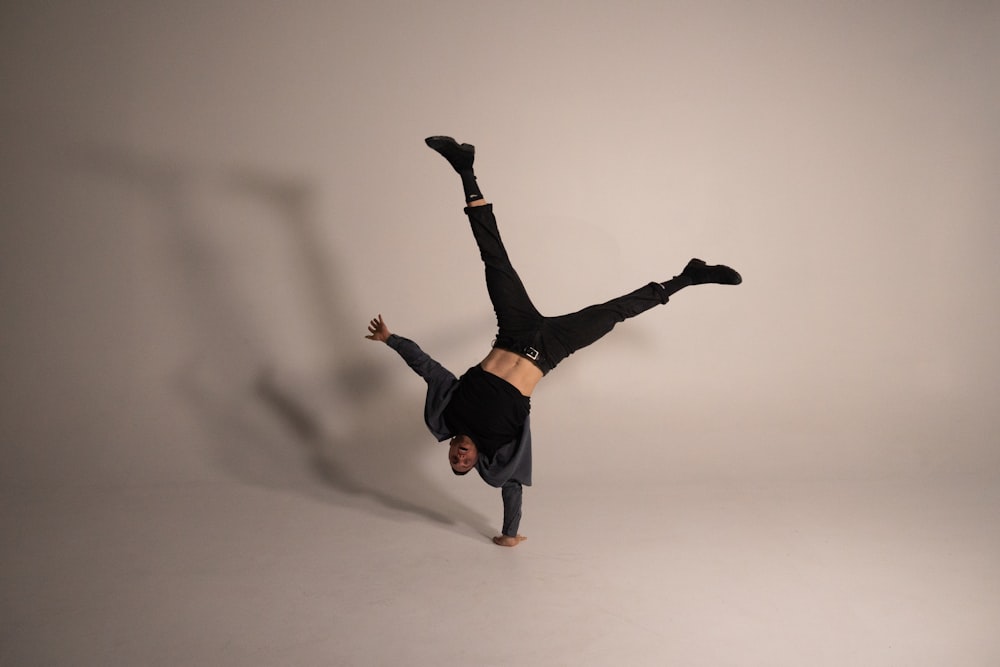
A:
x: 508, y: 541
x: 378, y: 330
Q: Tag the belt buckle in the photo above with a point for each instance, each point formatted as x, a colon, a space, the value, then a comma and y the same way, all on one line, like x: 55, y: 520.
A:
x: 531, y: 353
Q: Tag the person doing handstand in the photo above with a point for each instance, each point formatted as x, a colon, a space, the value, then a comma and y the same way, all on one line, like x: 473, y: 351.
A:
x: 484, y: 414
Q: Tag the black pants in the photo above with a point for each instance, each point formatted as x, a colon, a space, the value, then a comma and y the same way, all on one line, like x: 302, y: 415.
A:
x: 521, y: 328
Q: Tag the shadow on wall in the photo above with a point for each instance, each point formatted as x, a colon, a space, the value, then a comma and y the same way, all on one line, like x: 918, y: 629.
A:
x: 333, y: 433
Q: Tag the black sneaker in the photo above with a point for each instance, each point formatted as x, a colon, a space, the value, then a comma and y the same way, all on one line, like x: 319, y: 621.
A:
x: 701, y: 273
x: 459, y: 156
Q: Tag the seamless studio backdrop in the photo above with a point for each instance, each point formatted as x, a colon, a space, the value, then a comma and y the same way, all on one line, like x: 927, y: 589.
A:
x: 204, y: 462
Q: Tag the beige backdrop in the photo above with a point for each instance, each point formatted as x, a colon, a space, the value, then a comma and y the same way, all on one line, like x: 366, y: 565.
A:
x: 193, y: 193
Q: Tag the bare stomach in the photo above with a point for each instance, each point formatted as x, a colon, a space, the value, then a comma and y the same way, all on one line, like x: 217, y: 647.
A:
x: 512, y: 367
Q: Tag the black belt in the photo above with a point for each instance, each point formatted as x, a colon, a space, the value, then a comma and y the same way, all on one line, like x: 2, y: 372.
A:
x: 532, y: 353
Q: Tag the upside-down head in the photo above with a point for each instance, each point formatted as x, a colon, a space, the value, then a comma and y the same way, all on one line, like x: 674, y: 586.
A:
x: 462, y: 454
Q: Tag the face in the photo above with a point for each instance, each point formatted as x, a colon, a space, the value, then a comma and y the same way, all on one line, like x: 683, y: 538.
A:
x: 462, y: 453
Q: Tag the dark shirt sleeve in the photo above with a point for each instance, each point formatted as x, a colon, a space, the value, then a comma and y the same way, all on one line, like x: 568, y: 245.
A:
x: 511, y: 492
x: 440, y: 383
x: 417, y: 359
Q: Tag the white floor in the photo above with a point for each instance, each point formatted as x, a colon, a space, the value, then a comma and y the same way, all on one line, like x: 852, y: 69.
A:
x: 306, y: 570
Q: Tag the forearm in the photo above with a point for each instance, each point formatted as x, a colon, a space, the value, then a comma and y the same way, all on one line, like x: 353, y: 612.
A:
x: 511, y: 493
x: 418, y: 360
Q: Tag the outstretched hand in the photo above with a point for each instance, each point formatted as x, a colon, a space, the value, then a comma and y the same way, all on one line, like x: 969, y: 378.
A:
x: 378, y: 330
x: 508, y: 541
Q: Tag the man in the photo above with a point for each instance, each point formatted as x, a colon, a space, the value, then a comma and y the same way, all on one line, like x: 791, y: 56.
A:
x: 485, y: 413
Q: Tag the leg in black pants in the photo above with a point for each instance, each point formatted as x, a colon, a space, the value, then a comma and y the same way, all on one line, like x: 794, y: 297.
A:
x: 521, y: 327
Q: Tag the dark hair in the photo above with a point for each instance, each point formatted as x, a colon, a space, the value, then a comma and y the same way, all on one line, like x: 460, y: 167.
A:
x: 462, y: 473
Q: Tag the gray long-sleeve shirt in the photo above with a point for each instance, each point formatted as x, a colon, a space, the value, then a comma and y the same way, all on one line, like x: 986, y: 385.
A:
x: 508, y: 469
